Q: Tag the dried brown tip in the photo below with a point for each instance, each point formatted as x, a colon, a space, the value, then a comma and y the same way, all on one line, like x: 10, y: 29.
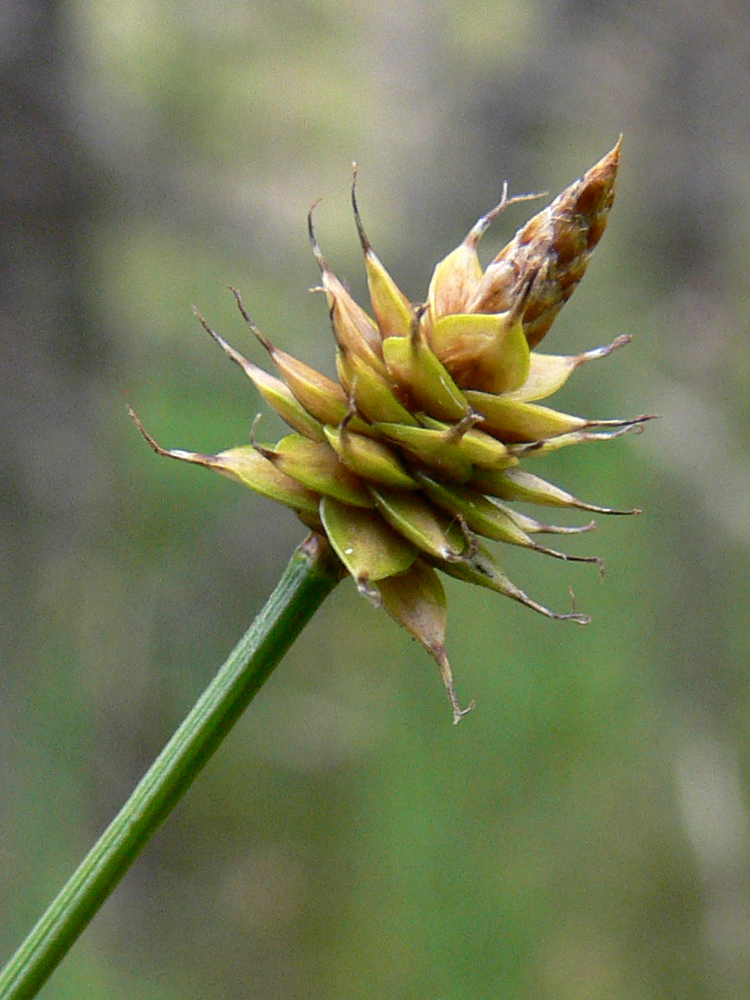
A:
x: 184, y: 456
x: 604, y: 352
x: 455, y: 433
x: 369, y: 592
x: 481, y: 226
x: 472, y: 542
x: 149, y: 440
x: 239, y: 359
x: 269, y: 453
x: 624, y: 425
x: 247, y: 318
x: 556, y: 554
x: 366, y: 245
x: 317, y: 252
x: 447, y: 675
x: 572, y: 616
x: 605, y: 510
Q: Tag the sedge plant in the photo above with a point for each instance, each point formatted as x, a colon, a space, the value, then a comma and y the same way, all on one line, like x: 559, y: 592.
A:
x: 402, y: 470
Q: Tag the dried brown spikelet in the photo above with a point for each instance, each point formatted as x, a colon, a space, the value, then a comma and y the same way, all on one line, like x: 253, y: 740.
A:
x: 552, y: 251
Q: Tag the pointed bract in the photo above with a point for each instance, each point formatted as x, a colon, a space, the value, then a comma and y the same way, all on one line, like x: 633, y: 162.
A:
x: 548, y: 372
x: 391, y: 308
x: 416, y: 600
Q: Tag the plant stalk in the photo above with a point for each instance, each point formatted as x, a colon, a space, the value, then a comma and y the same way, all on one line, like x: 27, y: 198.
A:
x: 310, y: 576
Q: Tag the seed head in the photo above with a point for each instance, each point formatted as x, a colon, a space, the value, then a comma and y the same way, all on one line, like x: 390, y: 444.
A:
x: 416, y: 453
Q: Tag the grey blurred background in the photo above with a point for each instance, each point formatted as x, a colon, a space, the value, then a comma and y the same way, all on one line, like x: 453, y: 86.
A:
x: 585, y: 833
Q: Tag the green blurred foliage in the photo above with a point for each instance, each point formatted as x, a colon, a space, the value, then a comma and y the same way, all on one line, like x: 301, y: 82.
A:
x: 585, y: 832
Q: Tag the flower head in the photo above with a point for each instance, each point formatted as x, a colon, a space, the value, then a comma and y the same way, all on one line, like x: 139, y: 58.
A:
x: 416, y: 455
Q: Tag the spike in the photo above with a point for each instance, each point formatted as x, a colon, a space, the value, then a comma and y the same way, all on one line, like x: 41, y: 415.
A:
x: 556, y: 246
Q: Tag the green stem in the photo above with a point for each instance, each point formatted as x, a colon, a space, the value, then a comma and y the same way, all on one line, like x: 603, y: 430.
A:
x: 311, y: 575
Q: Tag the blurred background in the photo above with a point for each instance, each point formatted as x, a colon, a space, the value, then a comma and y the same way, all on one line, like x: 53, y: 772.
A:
x: 585, y: 833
